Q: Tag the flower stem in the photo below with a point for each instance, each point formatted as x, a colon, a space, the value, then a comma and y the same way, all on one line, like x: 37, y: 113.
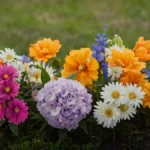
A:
x: 114, y: 135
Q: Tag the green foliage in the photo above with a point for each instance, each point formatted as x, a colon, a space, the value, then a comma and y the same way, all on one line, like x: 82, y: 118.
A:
x: 14, y: 128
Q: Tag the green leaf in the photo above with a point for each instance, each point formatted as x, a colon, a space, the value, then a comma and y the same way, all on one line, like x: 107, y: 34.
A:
x: 2, y: 122
x: 44, y: 76
x: 72, y: 76
x: 14, y: 128
x: 43, y: 126
x: 83, y: 125
x: 62, y: 133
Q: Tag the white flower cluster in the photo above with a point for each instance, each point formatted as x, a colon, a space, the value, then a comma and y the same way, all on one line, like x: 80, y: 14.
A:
x: 120, y: 103
x: 24, y: 64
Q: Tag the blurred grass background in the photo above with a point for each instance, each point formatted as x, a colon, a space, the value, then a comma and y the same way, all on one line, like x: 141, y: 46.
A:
x: 74, y: 22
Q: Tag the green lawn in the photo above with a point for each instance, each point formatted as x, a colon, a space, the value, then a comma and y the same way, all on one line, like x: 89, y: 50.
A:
x: 73, y: 22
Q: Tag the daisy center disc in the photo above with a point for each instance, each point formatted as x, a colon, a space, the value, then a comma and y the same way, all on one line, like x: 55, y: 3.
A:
x: 123, y: 107
x: 115, y: 94
x: 132, y: 95
x: 7, y: 89
x: 36, y: 75
x: 108, y: 112
x: 9, y: 57
x: 5, y: 76
x: 17, y: 109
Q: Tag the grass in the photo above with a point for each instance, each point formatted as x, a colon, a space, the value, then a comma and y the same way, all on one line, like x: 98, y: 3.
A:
x: 73, y: 22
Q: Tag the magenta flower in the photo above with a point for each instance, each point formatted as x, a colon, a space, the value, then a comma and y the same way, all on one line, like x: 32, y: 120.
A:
x: 2, y: 109
x: 8, y: 73
x: 9, y: 89
x: 17, y: 111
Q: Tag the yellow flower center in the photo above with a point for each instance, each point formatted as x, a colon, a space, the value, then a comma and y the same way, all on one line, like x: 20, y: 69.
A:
x: 81, y: 67
x: 5, y: 76
x: 7, y: 89
x: 132, y: 95
x: 9, y: 57
x: 123, y: 107
x: 115, y: 94
x: 108, y: 112
x: 36, y: 75
x: 0, y: 106
x: 17, y: 109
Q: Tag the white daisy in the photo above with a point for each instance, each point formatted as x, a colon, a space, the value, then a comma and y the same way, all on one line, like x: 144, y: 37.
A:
x: 114, y: 72
x: 106, y: 114
x: 113, y: 93
x: 108, y: 51
x: 134, y: 94
x: 50, y: 71
x: 127, y: 111
x: 20, y: 66
x: 8, y: 55
x: 34, y: 74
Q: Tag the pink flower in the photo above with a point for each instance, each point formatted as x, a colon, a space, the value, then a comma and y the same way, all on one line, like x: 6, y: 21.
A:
x: 9, y: 89
x: 17, y: 111
x: 2, y: 109
x: 8, y: 73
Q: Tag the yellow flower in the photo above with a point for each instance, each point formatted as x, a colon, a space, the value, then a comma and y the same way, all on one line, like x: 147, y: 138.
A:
x: 134, y: 77
x: 125, y: 59
x: 44, y: 49
x: 142, y: 49
x: 81, y: 62
x: 146, y: 99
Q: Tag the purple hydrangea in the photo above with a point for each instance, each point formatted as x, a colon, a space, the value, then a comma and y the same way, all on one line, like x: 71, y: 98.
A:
x: 64, y: 103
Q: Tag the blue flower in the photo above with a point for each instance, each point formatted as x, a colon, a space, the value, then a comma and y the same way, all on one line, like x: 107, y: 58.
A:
x: 25, y: 59
x: 102, y: 40
x: 105, y: 69
x: 99, y: 47
x: 147, y: 72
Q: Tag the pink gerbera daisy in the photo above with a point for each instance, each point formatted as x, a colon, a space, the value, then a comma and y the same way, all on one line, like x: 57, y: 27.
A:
x: 2, y: 109
x: 17, y: 111
x: 8, y: 73
x: 9, y: 89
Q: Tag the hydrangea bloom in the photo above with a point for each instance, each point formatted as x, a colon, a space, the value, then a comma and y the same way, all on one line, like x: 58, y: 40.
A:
x: 17, y: 111
x: 63, y: 103
x: 8, y: 73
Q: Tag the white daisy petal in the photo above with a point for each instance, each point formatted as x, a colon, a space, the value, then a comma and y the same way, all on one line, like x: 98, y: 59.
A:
x: 134, y: 95
x: 113, y: 93
x: 106, y: 114
x: 127, y: 111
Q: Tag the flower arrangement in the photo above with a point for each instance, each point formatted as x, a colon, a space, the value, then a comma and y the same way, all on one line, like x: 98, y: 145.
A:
x: 93, y: 89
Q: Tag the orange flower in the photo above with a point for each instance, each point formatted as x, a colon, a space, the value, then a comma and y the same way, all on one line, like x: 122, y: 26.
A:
x: 142, y: 49
x: 126, y: 60
x: 82, y: 62
x: 133, y: 77
x: 1, y: 63
x: 146, y: 99
x: 44, y: 49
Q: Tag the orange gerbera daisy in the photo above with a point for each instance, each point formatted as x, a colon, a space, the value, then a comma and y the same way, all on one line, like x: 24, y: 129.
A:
x: 1, y: 62
x: 126, y: 60
x: 133, y: 77
x: 146, y: 99
x: 44, y: 49
x: 142, y: 49
x: 81, y: 62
